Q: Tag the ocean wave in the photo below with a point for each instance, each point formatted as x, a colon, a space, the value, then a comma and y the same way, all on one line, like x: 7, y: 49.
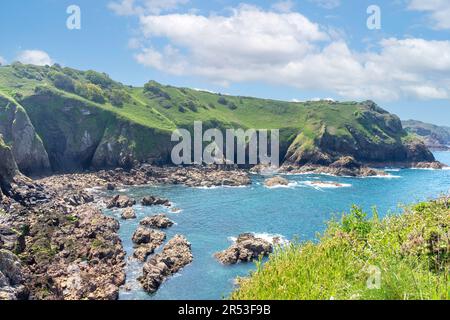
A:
x: 290, y: 185
x: 326, y: 184
x: 389, y: 176
x: 269, y: 237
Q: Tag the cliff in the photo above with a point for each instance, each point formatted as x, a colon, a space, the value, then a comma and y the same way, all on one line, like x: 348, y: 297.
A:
x: 60, y: 120
x: 435, y: 137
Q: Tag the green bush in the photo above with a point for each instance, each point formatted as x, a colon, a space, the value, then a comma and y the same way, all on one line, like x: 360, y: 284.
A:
x: 90, y: 91
x: 100, y: 79
x: 62, y: 81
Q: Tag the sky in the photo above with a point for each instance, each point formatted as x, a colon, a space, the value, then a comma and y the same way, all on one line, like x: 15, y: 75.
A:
x: 288, y: 50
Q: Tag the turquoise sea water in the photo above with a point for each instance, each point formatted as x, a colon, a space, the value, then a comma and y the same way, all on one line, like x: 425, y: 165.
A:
x: 211, y: 217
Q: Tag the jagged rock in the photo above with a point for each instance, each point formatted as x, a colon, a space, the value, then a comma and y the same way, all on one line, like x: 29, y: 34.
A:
x: 159, y: 221
x: 247, y: 248
x: 120, y: 201
x: 11, y: 277
x: 145, y: 235
x: 155, y: 201
x: 146, y: 241
x: 276, y: 181
x: 128, y: 213
x: 175, y: 255
x: 11, y: 239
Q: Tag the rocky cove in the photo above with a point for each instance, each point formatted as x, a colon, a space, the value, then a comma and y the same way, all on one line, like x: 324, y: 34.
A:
x: 60, y: 245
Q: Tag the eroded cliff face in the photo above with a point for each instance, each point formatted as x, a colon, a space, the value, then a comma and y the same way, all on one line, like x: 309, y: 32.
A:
x: 18, y: 132
x: 8, y: 168
x: 376, y: 136
x: 79, y: 136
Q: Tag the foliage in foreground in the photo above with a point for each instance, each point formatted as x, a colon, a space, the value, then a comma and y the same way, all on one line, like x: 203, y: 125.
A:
x: 410, y: 253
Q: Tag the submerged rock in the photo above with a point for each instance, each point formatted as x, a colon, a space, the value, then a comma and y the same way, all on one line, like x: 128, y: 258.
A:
x: 175, y: 255
x: 120, y: 201
x: 247, y: 248
x: 159, y: 221
x: 276, y: 181
x: 128, y: 213
x: 155, y: 201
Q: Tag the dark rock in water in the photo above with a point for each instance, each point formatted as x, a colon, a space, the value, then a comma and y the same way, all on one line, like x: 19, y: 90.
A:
x: 247, y: 248
x: 110, y: 187
x: 175, y: 255
x: 347, y: 163
x: 155, y: 201
x: 128, y: 213
x: 159, y: 221
x: 120, y: 201
x: 11, y: 277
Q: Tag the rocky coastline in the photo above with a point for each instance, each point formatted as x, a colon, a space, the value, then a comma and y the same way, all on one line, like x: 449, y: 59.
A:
x: 55, y: 242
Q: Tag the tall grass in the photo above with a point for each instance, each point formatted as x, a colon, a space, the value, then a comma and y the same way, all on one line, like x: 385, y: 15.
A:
x: 400, y: 257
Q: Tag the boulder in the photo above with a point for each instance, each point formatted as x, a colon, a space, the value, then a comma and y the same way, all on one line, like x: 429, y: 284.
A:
x: 175, y: 255
x: 155, y: 201
x: 128, y: 213
x: 145, y: 235
x: 159, y: 221
x: 120, y: 201
x: 247, y: 248
x: 276, y: 181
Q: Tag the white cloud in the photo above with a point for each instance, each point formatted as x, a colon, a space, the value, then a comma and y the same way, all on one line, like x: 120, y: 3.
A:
x: 36, y: 57
x: 2, y: 61
x: 286, y: 48
x: 327, y: 4
x: 284, y: 6
x: 140, y: 7
x: 439, y: 11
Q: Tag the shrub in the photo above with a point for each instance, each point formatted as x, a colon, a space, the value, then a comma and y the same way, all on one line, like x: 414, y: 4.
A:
x: 222, y: 101
x: 62, y: 81
x: 90, y: 91
x: 100, y: 79
x: 118, y: 97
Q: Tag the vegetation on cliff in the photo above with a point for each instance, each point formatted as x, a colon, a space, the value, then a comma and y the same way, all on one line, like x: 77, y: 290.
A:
x: 399, y: 257
x: 85, y: 119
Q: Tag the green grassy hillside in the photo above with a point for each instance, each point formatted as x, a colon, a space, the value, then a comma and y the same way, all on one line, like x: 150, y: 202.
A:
x: 410, y: 253
x: 86, y: 106
x: 433, y: 136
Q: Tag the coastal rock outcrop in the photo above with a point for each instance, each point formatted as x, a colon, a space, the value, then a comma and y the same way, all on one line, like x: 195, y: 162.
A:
x: 175, y: 255
x: 247, y: 248
x: 159, y: 221
x: 128, y: 213
x: 276, y: 181
x: 120, y: 201
x: 146, y: 241
x: 12, y: 280
x: 155, y: 201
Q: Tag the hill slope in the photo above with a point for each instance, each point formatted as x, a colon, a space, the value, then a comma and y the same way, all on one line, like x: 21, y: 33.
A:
x: 436, y: 137
x: 83, y: 119
x: 410, y: 253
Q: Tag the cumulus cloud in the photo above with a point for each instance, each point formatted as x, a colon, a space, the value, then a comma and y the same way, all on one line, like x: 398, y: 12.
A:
x: 2, y: 61
x: 327, y: 4
x: 439, y: 11
x: 36, y: 57
x: 140, y: 7
x: 286, y: 48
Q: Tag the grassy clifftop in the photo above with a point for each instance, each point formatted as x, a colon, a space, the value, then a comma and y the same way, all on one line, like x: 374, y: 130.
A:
x: 89, y: 108
x: 400, y: 257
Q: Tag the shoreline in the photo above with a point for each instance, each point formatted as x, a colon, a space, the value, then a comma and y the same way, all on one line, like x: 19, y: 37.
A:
x: 74, y: 200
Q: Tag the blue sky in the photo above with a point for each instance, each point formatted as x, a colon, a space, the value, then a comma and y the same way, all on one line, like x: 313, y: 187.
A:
x: 289, y: 50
